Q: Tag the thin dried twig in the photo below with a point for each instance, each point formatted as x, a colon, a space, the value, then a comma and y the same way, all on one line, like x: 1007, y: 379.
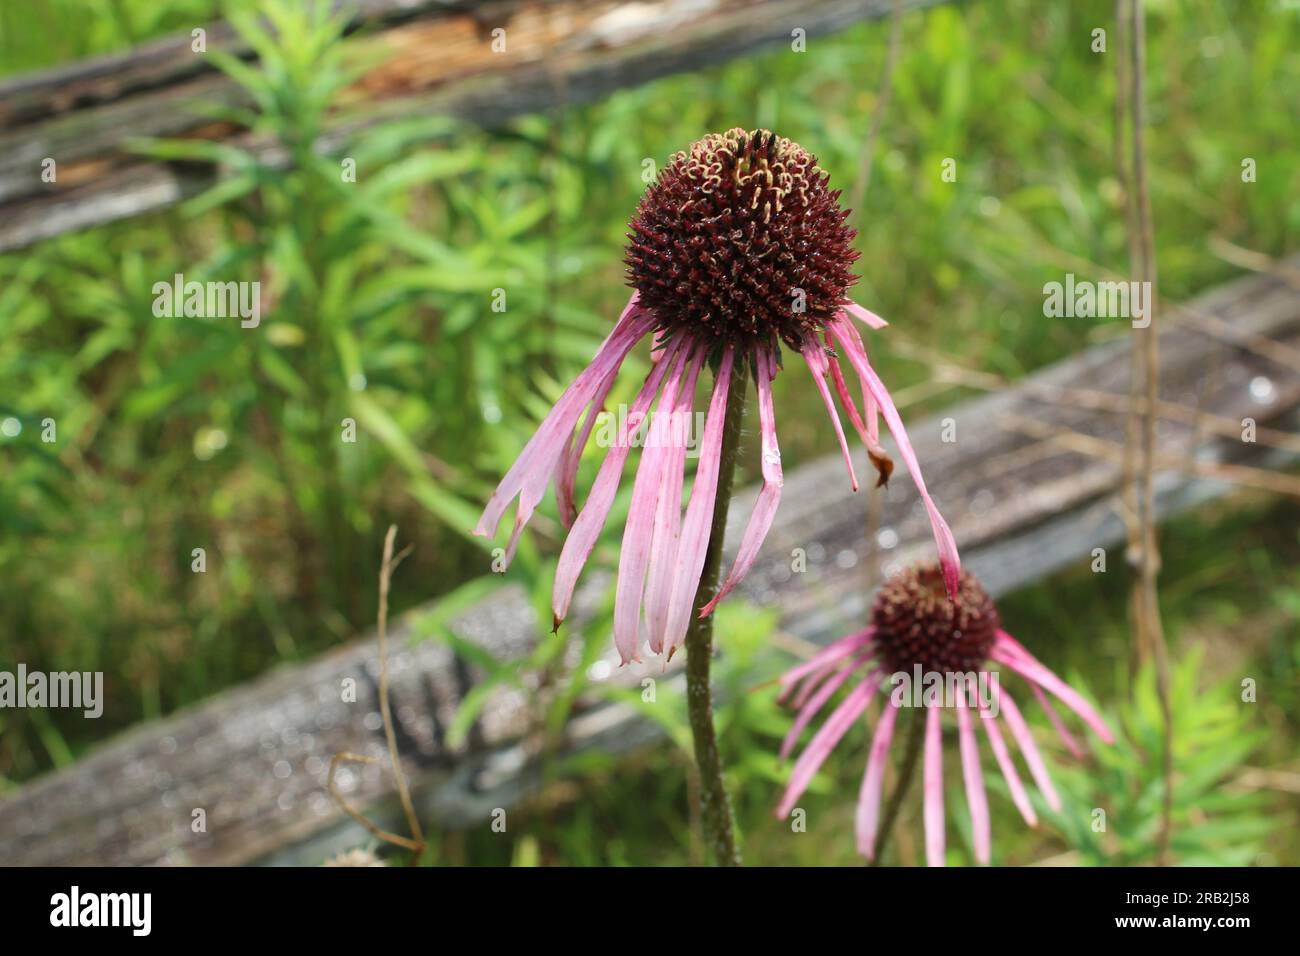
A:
x: 1277, y: 352
x: 1263, y: 479
x: 386, y: 568
x: 1147, y: 340
x: 867, y: 156
x: 875, y: 506
x: 1262, y: 778
x: 416, y: 842
x: 332, y: 785
x: 945, y: 370
x: 1253, y: 260
x: 1130, y: 505
x: 1098, y: 400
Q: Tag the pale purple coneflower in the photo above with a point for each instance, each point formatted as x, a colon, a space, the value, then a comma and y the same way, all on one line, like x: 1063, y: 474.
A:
x: 916, y: 630
x: 738, y: 247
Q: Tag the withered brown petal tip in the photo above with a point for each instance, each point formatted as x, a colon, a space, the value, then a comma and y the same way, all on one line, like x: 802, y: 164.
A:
x: 884, y: 467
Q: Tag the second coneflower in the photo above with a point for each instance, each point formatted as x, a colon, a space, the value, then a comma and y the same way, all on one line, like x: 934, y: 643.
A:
x: 738, y: 248
x: 924, y: 651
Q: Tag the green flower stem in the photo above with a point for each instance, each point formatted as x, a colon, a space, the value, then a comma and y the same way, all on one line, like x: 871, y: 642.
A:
x: 906, y: 773
x: 715, y: 805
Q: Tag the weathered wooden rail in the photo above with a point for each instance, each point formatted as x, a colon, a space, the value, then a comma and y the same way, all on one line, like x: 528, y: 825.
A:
x: 255, y: 758
x: 437, y: 60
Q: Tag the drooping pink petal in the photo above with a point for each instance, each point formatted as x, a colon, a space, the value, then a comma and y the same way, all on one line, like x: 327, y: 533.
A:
x: 1008, y: 766
x: 815, y: 356
x: 532, y: 470
x: 842, y: 389
x: 1071, y: 744
x: 566, y: 472
x: 869, y: 318
x: 867, y: 818
x: 552, y: 436
x: 870, y: 410
x: 760, y: 519
x: 823, y: 742
x: 932, y: 780
x: 947, y: 545
x: 815, y: 680
x: 634, y: 555
x: 1008, y: 651
x: 824, y: 693
x: 870, y: 435
x: 693, y: 541
x: 976, y: 799
x: 668, y: 516
x: 591, y: 520
x: 1062, y: 731
x: 1020, y: 731
x: 828, y: 656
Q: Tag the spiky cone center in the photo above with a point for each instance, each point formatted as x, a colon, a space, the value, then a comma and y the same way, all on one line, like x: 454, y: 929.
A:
x: 740, y: 240
x: 916, y: 623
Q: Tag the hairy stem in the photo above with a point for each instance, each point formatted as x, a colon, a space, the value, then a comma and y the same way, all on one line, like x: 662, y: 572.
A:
x: 906, y: 774
x: 715, y: 805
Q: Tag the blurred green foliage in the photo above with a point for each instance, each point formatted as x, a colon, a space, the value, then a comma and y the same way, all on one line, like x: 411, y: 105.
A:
x: 175, y: 434
x: 1215, y: 821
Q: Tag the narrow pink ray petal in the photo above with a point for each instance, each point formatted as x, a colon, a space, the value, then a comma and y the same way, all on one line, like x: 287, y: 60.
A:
x: 1020, y: 731
x: 566, y: 472
x: 531, y: 471
x: 634, y: 555
x: 760, y: 519
x: 1008, y: 651
x: 842, y: 389
x: 870, y: 410
x: 823, y: 742
x: 976, y: 799
x: 668, y: 515
x: 537, y: 460
x: 1062, y: 731
x: 818, y: 364
x: 870, y: 435
x: 696, y: 526
x: 815, y: 680
x: 943, y: 538
x: 822, y: 663
x: 591, y: 520
x: 818, y: 701
x: 932, y: 779
x: 869, y: 318
x: 867, y: 817
x: 832, y: 652
x: 1008, y: 766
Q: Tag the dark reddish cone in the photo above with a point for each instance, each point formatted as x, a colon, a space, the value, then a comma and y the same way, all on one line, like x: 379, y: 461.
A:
x: 730, y: 230
x: 917, y: 624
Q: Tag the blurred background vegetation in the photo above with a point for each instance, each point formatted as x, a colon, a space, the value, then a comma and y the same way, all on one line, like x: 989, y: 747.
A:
x: 177, y: 434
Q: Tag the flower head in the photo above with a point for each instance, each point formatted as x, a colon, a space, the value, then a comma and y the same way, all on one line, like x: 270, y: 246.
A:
x: 920, y: 650
x: 737, y: 249
x: 741, y: 241
x: 917, y: 624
